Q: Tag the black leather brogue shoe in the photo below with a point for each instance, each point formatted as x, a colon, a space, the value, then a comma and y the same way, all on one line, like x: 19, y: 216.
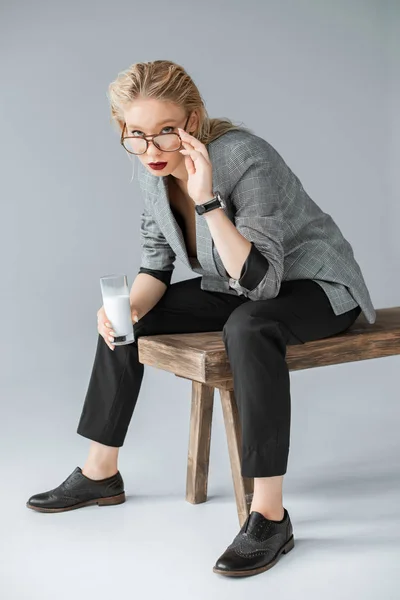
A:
x: 257, y: 547
x: 78, y: 491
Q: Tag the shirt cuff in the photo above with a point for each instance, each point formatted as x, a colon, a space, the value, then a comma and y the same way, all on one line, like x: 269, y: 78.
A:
x: 254, y: 269
x: 164, y: 276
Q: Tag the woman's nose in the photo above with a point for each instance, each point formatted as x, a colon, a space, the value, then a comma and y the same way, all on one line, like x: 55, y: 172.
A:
x: 152, y: 150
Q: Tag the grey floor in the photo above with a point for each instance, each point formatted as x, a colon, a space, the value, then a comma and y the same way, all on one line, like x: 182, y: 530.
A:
x: 342, y: 491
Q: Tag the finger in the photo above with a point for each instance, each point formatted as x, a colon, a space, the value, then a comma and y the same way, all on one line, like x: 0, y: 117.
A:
x: 107, y: 328
x: 105, y: 340
x: 109, y: 343
x: 194, y: 162
x: 195, y: 155
x: 190, y: 138
x: 191, y: 142
x: 108, y: 336
x: 189, y: 164
x: 198, y: 147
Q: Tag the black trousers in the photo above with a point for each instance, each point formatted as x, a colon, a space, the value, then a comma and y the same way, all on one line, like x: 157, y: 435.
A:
x: 255, y: 335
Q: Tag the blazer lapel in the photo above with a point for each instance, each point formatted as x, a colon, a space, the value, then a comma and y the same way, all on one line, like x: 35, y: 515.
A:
x: 207, y: 254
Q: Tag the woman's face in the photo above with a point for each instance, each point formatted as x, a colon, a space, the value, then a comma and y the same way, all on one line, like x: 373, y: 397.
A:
x: 149, y: 116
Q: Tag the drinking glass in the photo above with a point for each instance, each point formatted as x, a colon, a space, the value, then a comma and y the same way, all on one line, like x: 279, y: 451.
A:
x: 115, y: 293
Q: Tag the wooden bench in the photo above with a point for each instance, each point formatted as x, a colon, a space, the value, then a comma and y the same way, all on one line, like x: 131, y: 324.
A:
x: 201, y: 358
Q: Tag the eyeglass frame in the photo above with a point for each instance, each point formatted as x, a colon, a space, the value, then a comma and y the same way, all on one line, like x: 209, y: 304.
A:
x: 151, y: 136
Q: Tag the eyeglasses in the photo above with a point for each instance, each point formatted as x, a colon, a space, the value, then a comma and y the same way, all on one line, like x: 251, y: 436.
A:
x: 166, y: 142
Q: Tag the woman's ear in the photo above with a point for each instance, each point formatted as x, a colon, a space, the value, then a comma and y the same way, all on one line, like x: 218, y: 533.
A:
x: 194, y: 124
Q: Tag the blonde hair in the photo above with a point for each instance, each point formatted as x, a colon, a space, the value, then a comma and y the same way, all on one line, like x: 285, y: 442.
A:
x: 166, y: 81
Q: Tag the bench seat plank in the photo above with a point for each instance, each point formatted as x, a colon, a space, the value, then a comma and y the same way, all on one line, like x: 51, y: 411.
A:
x: 202, y: 356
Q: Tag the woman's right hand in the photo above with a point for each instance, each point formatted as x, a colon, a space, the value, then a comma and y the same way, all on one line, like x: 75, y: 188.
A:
x: 104, y: 326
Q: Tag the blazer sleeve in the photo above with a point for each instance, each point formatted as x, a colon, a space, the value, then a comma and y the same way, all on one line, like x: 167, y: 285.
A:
x: 258, y: 217
x: 157, y: 256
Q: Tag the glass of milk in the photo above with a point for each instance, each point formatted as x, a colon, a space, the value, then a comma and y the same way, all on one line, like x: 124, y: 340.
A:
x: 115, y: 293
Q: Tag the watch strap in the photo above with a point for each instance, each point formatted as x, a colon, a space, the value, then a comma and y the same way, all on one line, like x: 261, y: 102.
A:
x: 215, y: 202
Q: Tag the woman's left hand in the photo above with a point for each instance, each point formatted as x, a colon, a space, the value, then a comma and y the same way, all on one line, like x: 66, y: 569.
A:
x: 199, y: 168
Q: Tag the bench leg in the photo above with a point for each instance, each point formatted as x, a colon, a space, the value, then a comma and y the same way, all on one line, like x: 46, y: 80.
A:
x: 199, y: 442
x: 243, y: 486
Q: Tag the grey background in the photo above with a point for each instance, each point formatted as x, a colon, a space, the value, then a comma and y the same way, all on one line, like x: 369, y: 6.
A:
x: 320, y: 82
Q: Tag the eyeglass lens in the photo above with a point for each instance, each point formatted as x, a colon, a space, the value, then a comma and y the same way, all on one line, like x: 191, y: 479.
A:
x: 167, y: 142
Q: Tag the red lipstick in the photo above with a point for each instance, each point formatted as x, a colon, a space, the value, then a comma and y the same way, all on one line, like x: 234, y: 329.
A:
x: 158, y: 166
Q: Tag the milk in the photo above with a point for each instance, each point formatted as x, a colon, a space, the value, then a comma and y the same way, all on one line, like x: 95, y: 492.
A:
x: 118, y: 311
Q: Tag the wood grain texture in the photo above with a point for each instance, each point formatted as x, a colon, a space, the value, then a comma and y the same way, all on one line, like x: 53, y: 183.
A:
x: 199, y: 442
x: 243, y: 486
x: 202, y: 357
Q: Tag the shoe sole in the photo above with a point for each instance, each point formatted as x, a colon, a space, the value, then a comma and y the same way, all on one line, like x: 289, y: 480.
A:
x: 287, y: 547
x: 119, y: 499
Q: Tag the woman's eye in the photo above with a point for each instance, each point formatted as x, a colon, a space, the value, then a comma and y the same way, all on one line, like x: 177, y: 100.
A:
x: 141, y: 134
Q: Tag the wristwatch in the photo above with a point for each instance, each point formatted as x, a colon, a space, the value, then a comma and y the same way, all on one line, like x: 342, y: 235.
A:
x: 215, y: 202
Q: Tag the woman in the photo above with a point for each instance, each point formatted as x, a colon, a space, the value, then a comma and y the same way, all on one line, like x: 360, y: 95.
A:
x: 274, y: 269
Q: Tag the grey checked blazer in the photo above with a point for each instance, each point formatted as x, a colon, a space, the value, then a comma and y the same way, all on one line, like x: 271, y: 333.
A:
x: 269, y: 206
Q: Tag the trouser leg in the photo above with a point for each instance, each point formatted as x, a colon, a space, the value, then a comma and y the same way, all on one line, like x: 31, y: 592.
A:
x: 117, y: 374
x: 256, y: 335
